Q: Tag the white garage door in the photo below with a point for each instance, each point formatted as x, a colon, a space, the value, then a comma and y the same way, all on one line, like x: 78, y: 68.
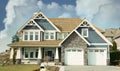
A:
x: 74, y: 57
x: 97, y: 57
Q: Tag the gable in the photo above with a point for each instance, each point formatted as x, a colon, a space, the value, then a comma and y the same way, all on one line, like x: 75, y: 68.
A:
x: 44, y: 22
x: 31, y: 24
x: 93, y: 37
x: 93, y: 30
x: 74, y: 41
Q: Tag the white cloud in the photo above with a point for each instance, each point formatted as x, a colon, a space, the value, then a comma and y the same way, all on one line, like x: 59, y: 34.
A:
x: 100, y: 12
x: 19, y: 11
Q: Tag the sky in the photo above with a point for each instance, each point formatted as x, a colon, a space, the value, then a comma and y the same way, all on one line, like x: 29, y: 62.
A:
x: 14, y: 13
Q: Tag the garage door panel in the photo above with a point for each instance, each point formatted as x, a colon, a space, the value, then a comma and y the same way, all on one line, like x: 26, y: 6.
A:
x: 74, y: 57
x: 97, y: 57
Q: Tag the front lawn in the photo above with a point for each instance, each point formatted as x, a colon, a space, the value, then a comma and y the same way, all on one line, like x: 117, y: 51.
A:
x: 19, y: 67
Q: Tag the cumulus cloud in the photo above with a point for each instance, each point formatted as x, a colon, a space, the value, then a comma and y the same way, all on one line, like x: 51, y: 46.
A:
x: 100, y: 12
x: 19, y: 11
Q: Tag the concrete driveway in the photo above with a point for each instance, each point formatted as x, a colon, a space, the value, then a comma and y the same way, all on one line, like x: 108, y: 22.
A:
x: 91, y: 68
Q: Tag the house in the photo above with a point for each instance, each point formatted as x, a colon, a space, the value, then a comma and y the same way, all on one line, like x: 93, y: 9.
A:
x: 71, y: 41
x: 117, y: 40
x: 111, y: 33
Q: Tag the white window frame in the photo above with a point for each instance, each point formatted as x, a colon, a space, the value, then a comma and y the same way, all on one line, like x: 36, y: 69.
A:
x: 29, y: 50
x: 33, y: 35
x: 83, y: 32
x: 49, y: 35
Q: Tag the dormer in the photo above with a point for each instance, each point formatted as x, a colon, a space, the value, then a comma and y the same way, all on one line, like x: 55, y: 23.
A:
x: 84, y: 29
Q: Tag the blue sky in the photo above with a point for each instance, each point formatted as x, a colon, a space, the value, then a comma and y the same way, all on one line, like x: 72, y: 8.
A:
x: 14, y: 13
x: 2, y: 12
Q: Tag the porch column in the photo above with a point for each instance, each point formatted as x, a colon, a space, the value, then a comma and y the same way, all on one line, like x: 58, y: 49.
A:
x: 18, y: 55
x: 56, y: 55
x: 11, y: 53
x: 39, y: 55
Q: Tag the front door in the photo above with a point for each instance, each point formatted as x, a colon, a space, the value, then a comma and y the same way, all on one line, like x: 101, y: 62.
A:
x: 50, y: 54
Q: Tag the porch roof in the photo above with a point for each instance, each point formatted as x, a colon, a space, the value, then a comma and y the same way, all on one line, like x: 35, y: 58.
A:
x: 47, y: 43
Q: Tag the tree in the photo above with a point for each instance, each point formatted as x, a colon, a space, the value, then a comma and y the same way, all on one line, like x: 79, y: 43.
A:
x: 114, y: 47
x: 15, y: 38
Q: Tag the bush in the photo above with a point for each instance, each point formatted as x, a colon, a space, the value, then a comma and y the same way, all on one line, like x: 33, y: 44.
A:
x: 114, y: 57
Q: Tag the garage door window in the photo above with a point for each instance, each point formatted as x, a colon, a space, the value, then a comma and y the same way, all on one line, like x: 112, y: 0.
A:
x: 79, y: 50
x: 68, y: 50
x: 74, y: 50
x: 96, y: 50
x: 101, y: 50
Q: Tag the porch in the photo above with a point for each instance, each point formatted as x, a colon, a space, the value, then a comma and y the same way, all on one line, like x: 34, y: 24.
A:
x: 36, y: 55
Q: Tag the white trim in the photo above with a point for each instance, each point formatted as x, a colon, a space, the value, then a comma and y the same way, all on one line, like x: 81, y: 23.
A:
x: 99, y: 44
x: 100, y: 34
x: 83, y: 38
x: 18, y: 55
x: 34, y: 52
x: 27, y: 24
x: 56, y: 54
x: 39, y: 53
x: 49, y: 35
x: 47, y: 20
x: 11, y: 53
x: 28, y: 31
x: 78, y: 35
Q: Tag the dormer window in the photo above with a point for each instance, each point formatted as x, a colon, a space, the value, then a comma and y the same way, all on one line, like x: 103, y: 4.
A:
x: 49, y: 35
x: 85, y: 32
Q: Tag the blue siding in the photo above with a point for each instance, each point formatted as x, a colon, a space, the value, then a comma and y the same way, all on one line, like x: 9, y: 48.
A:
x: 30, y: 27
x: 45, y: 25
x: 93, y: 37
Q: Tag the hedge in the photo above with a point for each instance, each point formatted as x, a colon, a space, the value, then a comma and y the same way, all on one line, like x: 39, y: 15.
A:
x: 114, y: 56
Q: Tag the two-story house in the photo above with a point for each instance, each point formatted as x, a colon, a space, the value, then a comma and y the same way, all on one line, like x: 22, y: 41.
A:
x: 72, y: 41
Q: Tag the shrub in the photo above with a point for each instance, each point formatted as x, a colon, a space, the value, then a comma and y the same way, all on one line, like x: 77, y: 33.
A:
x: 115, y: 57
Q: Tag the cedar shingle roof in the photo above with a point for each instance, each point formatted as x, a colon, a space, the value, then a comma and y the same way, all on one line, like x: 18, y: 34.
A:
x: 66, y: 24
x: 48, y: 43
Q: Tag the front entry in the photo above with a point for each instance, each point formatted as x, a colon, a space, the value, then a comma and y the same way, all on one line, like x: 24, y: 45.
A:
x: 50, y: 53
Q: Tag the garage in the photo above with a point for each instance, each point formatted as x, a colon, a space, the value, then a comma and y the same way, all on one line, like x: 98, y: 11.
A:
x: 97, y: 57
x: 74, y: 57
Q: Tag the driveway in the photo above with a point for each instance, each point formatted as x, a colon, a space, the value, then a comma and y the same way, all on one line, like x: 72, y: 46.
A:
x: 91, y: 68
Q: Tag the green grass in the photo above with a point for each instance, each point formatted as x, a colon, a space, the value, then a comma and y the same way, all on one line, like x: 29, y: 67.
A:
x: 19, y: 67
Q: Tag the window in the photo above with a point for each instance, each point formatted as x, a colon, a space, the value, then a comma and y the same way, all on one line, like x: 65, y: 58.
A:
x: 36, y: 35
x: 85, y: 32
x: 90, y: 50
x: 101, y: 50
x: 51, y: 35
x: 31, y: 53
x: 96, y: 50
x: 46, y: 35
x: 26, y: 36
x: 26, y: 53
x: 31, y: 35
x: 36, y: 53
